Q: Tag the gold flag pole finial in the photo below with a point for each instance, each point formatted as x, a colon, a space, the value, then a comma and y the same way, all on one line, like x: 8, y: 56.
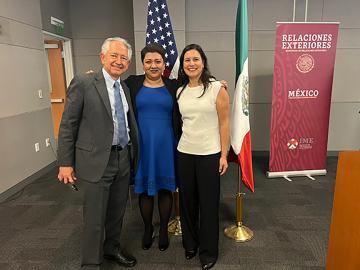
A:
x: 239, y: 232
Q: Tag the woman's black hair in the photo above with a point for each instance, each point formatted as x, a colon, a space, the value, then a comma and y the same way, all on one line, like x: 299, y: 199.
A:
x: 153, y: 48
x: 205, y: 77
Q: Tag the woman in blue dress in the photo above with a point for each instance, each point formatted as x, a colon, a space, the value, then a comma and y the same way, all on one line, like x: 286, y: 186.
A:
x: 157, y: 113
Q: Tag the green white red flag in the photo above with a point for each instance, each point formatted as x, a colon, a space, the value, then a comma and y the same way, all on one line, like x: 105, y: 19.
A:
x: 240, y: 124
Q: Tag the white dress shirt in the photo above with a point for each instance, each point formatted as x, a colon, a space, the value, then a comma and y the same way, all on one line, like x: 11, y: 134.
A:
x: 110, y: 88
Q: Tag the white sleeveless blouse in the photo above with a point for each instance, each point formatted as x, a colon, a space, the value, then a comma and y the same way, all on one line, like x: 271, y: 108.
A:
x: 200, y: 131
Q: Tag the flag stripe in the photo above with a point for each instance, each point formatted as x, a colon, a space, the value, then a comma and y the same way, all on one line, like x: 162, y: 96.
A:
x: 238, y: 131
x: 240, y: 126
x: 246, y: 166
x: 241, y: 38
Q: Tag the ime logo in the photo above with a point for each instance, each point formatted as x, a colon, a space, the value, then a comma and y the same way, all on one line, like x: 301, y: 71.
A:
x: 301, y: 143
x: 292, y: 144
x: 306, y: 140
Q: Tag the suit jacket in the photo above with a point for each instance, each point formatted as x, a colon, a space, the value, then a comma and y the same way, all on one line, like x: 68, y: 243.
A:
x: 135, y: 82
x: 86, y: 128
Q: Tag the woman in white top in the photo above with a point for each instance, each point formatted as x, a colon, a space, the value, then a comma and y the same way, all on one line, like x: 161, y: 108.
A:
x: 202, y: 152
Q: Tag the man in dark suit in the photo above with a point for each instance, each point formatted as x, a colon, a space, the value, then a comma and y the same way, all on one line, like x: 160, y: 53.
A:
x: 98, y: 144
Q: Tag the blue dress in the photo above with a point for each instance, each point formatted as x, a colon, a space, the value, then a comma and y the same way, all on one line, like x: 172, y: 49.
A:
x: 156, y: 169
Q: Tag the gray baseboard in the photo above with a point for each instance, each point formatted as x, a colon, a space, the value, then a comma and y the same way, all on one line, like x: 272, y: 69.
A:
x: 332, y: 153
x: 19, y: 186
x: 260, y: 153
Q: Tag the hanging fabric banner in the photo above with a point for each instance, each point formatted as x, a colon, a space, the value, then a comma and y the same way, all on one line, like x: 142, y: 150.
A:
x: 301, y: 97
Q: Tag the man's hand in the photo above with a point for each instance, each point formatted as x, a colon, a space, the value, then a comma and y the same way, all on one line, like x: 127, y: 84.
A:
x: 66, y: 175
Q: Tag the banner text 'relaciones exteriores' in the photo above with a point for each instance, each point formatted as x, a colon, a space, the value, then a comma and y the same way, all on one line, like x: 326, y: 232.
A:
x: 294, y: 42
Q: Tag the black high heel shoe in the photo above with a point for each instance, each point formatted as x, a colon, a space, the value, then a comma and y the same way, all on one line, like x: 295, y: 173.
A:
x: 189, y: 254
x: 163, y: 239
x: 206, y: 266
x: 148, y: 239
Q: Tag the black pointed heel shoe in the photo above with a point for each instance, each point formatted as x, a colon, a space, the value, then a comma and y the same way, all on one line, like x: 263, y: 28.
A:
x: 206, y: 266
x: 189, y: 254
x: 163, y: 247
x: 148, y: 239
x: 163, y: 239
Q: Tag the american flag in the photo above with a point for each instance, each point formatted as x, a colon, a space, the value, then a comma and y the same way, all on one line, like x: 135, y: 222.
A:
x: 159, y: 30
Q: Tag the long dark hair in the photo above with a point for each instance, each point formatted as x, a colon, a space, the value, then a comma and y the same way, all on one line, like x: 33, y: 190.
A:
x: 205, y: 76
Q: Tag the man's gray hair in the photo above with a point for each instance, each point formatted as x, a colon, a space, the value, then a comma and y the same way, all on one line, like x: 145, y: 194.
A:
x: 105, y: 46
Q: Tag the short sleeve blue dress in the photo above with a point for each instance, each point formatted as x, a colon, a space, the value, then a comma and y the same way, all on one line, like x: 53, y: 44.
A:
x: 156, y: 169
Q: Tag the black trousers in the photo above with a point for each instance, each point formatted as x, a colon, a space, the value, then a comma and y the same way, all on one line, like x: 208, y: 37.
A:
x: 199, y: 182
x: 104, y: 209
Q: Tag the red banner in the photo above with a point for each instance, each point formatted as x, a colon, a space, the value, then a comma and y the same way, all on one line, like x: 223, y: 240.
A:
x: 301, y: 97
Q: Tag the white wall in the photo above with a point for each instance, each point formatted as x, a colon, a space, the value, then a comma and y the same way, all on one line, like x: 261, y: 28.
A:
x: 93, y: 21
x: 24, y: 118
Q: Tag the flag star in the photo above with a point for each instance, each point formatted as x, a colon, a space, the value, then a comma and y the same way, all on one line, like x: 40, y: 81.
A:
x: 159, y: 30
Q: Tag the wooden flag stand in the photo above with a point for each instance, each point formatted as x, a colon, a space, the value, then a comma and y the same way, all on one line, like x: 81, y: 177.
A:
x: 239, y: 232
x: 174, y: 226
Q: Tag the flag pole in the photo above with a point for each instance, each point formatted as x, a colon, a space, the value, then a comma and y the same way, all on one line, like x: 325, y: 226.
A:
x: 174, y: 226
x: 239, y: 232
x: 240, y: 132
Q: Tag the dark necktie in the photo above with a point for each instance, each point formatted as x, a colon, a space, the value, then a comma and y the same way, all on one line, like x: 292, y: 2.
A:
x: 120, y: 117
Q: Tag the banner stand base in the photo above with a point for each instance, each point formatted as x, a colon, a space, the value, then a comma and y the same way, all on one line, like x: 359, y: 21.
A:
x: 286, y: 175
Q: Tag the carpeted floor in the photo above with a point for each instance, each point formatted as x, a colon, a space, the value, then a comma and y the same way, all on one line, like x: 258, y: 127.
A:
x: 40, y: 227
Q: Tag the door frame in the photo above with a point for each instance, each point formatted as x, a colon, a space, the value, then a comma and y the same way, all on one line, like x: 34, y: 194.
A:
x: 68, y: 62
x: 67, y: 50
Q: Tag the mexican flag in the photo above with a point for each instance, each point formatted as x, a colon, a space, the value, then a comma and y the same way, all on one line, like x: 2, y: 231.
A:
x: 240, y: 125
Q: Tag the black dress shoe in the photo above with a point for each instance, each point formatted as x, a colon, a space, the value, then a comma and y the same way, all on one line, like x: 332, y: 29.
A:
x: 189, y: 254
x: 122, y: 259
x: 206, y: 266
